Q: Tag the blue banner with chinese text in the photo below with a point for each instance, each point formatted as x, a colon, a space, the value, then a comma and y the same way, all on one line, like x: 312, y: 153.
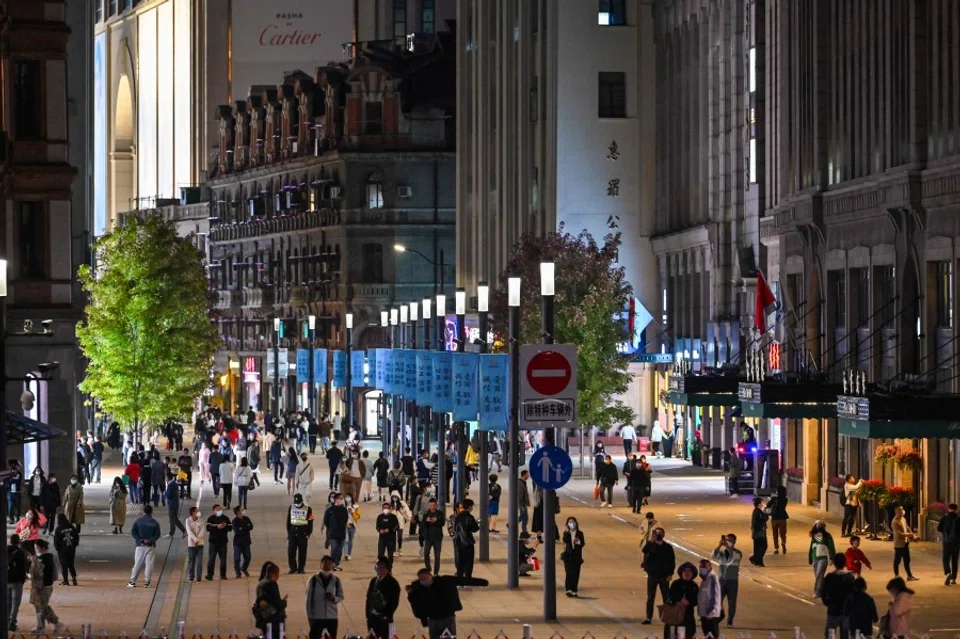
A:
x: 465, y: 387
x: 339, y: 369
x: 442, y: 381
x: 358, y: 360
x: 494, y: 392
x: 303, y: 365
x: 425, y: 378
x: 320, y: 366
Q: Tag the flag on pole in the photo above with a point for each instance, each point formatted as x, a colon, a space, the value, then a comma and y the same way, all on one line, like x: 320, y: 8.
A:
x: 766, y: 303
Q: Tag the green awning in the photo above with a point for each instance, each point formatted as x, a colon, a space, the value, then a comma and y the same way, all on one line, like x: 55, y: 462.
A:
x: 704, y: 399
x: 901, y: 429
x: 789, y: 410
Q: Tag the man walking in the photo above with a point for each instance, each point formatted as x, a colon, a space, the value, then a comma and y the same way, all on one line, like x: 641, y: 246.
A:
x: 463, y: 541
x: 609, y: 477
x: 729, y: 558
x: 96, y: 461
x: 387, y: 525
x: 758, y: 530
x: 334, y: 458
x: 949, y: 529
x: 335, y: 523
x: 171, y: 495
x: 215, y: 459
x: 435, y: 601
x: 383, y: 597
x: 218, y: 529
x: 42, y: 573
x: 629, y: 434
x: 17, y: 566
x: 837, y: 586
x: 241, y: 541
x: 299, y: 529
x: 523, y: 500
x: 431, y: 527
x: 324, y: 594
x: 145, y: 533
x: 185, y: 462
x: 196, y: 533
x: 659, y: 562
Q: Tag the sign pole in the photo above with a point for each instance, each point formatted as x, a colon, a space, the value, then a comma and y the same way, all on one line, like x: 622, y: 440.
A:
x: 440, y: 330
x: 460, y: 428
x: 549, y: 439
x: 348, y: 396
x: 483, y: 297
x: 513, y: 443
x: 426, y: 411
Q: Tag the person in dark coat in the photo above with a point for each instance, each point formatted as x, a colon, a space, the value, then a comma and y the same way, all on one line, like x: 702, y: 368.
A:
x: 383, y: 598
x: 435, y: 601
x: 463, y: 541
x: 758, y: 530
x: 639, y: 485
x: 684, y: 591
x: 334, y: 458
x: 860, y: 609
x: 51, y: 500
x: 659, y: 561
x: 572, y: 556
x: 65, y: 541
x: 270, y: 608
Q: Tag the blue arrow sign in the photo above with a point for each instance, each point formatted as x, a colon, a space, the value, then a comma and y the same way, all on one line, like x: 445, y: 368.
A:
x: 550, y: 467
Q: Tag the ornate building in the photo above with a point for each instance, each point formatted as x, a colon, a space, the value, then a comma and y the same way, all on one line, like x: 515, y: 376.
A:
x: 317, y: 181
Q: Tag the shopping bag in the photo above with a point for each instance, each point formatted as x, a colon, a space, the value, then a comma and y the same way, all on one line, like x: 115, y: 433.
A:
x: 596, y: 491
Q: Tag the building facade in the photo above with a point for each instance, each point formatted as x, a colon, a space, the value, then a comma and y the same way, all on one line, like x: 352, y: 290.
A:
x: 862, y: 218
x: 45, y: 114
x: 317, y: 181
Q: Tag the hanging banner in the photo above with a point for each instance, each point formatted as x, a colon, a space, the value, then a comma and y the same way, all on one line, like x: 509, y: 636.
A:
x: 464, y: 387
x: 403, y: 381
x: 443, y: 382
x: 303, y: 365
x: 339, y: 369
x: 373, y: 355
x: 284, y: 363
x: 358, y: 360
x: 494, y: 370
x: 271, y: 363
x: 320, y: 366
x: 387, y: 355
x: 425, y: 378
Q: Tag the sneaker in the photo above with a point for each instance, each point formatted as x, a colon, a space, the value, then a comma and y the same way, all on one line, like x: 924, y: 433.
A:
x: 245, y: 573
x: 569, y: 593
x: 946, y: 582
x: 645, y: 622
x: 574, y: 594
x: 346, y: 557
x: 167, y: 536
x: 398, y: 554
x: 239, y: 575
x: 953, y: 581
x: 183, y: 536
x: 776, y: 551
x: 912, y: 578
x: 210, y: 577
x: 602, y: 504
x: 337, y: 568
x: 146, y: 584
x: 131, y: 584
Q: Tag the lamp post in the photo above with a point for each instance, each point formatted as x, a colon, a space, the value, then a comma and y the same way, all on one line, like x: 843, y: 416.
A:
x: 460, y: 300
x: 483, y: 307
x: 400, y: 248
x: 440, y: 330
x: 550, y: 437
x: 410, y: 442
x: 276, y: 367
x: 426, y: 412
x: 382, y: 406
x: 4, y: 612
x: 399, y: 424
x: 513, y: 516
x: 388, y: 423
x: 348, y: 413
x: 312, y: 326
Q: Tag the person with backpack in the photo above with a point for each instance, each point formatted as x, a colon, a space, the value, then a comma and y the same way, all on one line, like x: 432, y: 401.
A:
x: 758, y: 530
x: 66, y: 538
x: 777, y: 509
x: 17, y: 566
x: 435, y: 601
x: 324, y: 595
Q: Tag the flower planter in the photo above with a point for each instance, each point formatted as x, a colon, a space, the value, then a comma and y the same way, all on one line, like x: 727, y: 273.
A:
x: 834, y: 500
x: 795, y: 490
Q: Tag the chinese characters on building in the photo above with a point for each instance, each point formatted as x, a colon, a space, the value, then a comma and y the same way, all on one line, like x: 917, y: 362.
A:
x: 613, y: 185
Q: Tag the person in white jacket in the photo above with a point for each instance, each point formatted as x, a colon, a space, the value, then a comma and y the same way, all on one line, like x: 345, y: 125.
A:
x: 324, y: 594
x: 708, y: 600
x: 227, y: 470
x: 241, y: 479
x: 305, y: 478
x: 196, y: 535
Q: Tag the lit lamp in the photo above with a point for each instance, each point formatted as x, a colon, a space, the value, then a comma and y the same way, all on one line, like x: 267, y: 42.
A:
x: 441, y: 318
x: 3, y: 278
x: 349, y: 394
x: 483, y: 306
x: 550, y: 439
x: 513, y: 512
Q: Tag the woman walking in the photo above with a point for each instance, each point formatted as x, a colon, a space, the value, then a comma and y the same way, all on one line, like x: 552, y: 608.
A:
x: 35, y: 486
x: 778, y: 519
x: 851, y: 502
x: 354, y: 516
x: 901, y: 608
x: 242, y: 479
x: 118, y: 506
x: 66, y: 538
x: 73, y: 506
x: 270, y: 607
x: 821, y: 552
x: 572, y: 556
x: 291, y: 463
x: 205, y: 463
x: 684, y: 591
x: 381, y: 468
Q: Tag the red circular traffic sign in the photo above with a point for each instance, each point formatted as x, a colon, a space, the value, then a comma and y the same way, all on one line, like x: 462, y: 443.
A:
x: 548, y: 373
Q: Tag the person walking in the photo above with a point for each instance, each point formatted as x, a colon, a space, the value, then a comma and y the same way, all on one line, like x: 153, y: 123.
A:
x: 203, y: 460
x: 305, y: 478
x: 145, y: 533
x: 290, y: 462
x: 218, y: 529
x: 270, y: 607
x: 709, y: 600
x: 432, y: 525
x: 242, y: 478
x: 685, y: 592
x: 196, y: 535
x: 435, y: 601
x: 96, y: 460
x: 381, y: 469
x: 901, y: 609
x: 856, y: 559
x: 494, y: 492
x: 777, y: 509
x: 242, y: 526
x: 659, y: 562
x: 523, y: 502
x: 158, y: 470
x: 851, y: 502
x: 18, y: 566
x: 572, y: 556
x: 902, y: 536
x: 860, y: 610
x: 324, y: 595
x: 171, y: 497
x: 607, y: 478
x: 14, y: 487
x: 227, y: 472
x: 837, y: 588
x: 335, y: 521
x: 215, y: 459
x: 42, y: 574
x: 383, y: 598
x: 729, y: 558
x: 66, y: 538
x: 656, y: 438
x: 758, y: 531
x: 949, y: 529
x: 118, y: 506
x: 350, y: 478
x: 73, y: 506
x: 299, y: 529
x: 274, y: 455
x: 354, y: 509
x: 387, y: 525
x: 334, y: 460
x: 51, y: 500
x: 629, y: 434
x: 463, y: 540
x: 185, y: 462
x: 735, y: 473
x: 821, y: 550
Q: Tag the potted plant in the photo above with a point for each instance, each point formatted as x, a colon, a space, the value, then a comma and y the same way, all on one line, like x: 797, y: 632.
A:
x: 909, y: 461
x: 871, y: 492
x: 835, y: 493
x: 794, y: 484
x: 898, y: 496
x: 886, y: 454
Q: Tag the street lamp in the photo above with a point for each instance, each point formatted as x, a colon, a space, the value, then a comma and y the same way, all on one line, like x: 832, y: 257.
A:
x: 384, y: 323
x: 414, y: 318
x: 400, y: 248
x: 349, y: 394
x: 460, y: 307
x: 440, y: 331
x: 513, y: 516
x: 312, y: 326
x: 483, y: 306
x: 276, y: 367
x: 550, y: 438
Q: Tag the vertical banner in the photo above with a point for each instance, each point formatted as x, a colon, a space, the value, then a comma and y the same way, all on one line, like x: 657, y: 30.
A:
x: 284, y: 363
x: 401, y: 377
x: 465, y: 387
x: 371, y: 374
x: 358, y: 360
x: 320, y: 366
x: 410, y: 372
x: 271, y: 363
x: 388, y: 356
x: 303, y: 365
x: 339, y: 369
x: 443, y: 381
x: 425, y: 378
x: 493, y: 391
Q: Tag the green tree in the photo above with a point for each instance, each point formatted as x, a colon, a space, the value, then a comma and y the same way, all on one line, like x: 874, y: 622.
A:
x: 147, y: 334
x: 591, y: 292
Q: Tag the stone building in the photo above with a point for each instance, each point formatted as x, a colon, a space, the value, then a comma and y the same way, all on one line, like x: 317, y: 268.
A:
x: 317, y: 180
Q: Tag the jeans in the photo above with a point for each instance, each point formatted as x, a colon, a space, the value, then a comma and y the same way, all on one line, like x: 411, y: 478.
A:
x: 95, y: 467
x: 242, y: 496
x: 195, y: 563
x: 175, y: 523
x: 849, y: 519
x: 779, y: 527
x: 819, y: 570
x: 312, y: 440
x: 324, y: 443
x: 297, y: 552
x: 217, y: 550
x: 386, y: 545
x: 729, y: 590
x: 442, y: 627
x: 524, y: 517
x: 837, y: 621
x: 348, y: 544
x: 608, y: 491
x: 336, y: 550
x: 13, y: 506
x: 951, y: 553
x: 277, y: 470
x: 227, y: 495
x: 653, y: 584
x: 14, y: 597
x: 627, y: 447
x: 434, y: 545
x: 143, y: 559
x: 241, y: 558
x: 901, y: 554
x: 319, y: 626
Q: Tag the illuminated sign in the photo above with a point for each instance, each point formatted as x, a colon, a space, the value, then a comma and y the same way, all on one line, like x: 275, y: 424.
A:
x: 774, y: 356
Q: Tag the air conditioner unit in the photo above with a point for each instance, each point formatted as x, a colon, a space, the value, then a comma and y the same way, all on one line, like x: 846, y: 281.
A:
x: 404, y: 192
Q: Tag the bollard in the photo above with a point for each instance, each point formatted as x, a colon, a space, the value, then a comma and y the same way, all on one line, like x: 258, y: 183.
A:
x: 527, y: 631
x: 797, y: 633
x: 180, y: 625
x: 283, y: 631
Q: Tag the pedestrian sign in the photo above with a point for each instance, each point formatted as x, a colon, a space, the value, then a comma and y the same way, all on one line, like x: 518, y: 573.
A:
x: 550, y: 467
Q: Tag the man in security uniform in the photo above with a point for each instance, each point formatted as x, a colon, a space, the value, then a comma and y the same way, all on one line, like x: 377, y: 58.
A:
x: 299, y: 529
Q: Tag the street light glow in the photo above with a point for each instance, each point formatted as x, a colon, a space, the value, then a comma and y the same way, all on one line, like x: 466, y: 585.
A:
x: 3, y: 278
x: 441, y: 305
x: 546, y: 278
x: 276, y: 324
x: 384, y: 319
x: 513, y: 291
x: 404, y: 314
x: 393, y: 316
x: 312, y: 322
x: 414, y: 311
x: 461, y: 301
x: 427, y: 302
x: 349, y: 321
x: 399, y: 248
x: 483, y: 297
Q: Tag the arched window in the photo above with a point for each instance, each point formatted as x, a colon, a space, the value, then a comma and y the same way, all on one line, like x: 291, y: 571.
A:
x: 375, y: 191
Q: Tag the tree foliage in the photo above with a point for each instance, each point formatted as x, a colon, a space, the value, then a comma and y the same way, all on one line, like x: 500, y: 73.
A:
x: 590, y: 292
x: 147, y: 332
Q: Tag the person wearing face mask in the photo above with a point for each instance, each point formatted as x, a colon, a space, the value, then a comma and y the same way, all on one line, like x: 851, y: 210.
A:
x: 685, y: 592
x: 14, y: 485
x: 435, y: 601
x: 218, y: 529
x: 709, y: 600
x: 637, y: 482
x: 354, y: 510
x: 465, y: 525
x: 34, y: 487
x: 432, y: 523
x: 324, y: 594
x: 305, y: 478
x: 659, y: 561
x: 227, y: 472
x: 758, y: 530
x: 196, y: 534
x: 241, y: 541
x: 387, y: 525
x: 729, y: 558
x: 299, y: 529
x: 51, y: 499
x: 382, y: 599
x: 821, y: 552
x: 65, y: 541
x: 335, y: 523
x: 494, y: 492
x: 145, y: 533
x: 900, y: 611
x: 73, y: 504
x: 572, y: 556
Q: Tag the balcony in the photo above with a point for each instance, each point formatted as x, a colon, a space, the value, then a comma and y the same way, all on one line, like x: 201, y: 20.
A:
x: 299, y: 296
x: 386, y: 293
x: 289, y: 222
x: 223, y: 300
x: 256, y: 297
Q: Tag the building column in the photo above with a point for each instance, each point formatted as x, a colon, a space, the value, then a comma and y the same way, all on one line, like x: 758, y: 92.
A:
x: 829, y: 459
x: 812, y: 465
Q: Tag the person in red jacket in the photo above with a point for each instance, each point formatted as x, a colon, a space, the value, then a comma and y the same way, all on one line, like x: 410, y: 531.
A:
x: 856, y: 560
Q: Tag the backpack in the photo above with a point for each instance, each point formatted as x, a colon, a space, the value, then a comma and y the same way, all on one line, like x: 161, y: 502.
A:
x: 495, y: 492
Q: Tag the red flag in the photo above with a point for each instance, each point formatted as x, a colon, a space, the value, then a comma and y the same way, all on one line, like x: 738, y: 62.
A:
x: 766, y: 303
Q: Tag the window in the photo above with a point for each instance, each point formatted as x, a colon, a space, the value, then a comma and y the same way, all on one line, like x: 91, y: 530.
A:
x: 839, y: 300
x: 375, y: 191
x: 613, y: 94
x: 612, y: 13
x: 399, y: 18
x: 373, y: 123
x: 371, y: 264
x: 534, y: 101
x: 111, y: 8
x: 28, y: 98
x: 944, y: 294
x: 32, y: 240
x: 98, y: 11
x: 428, y: 17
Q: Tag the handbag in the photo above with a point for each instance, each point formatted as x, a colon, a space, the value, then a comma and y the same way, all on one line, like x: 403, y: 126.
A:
x: 671, y: 614
x: 883, y: 628
x: 596, y: 491
x: 534, y: 562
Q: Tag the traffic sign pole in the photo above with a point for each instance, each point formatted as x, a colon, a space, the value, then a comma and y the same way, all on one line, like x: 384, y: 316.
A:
x: 549, y: 439
x: 482, y: 436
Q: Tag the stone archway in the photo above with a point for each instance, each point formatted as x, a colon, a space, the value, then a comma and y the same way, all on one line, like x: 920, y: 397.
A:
x: 123, y: 177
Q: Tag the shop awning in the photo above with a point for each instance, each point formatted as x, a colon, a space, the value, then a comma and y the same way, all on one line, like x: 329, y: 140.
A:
x: 704, y: 390
x: 23, y: 430
x: 900, y: 429
x: 805, y: 399
x: 703, y: 399
x: 789, y: 410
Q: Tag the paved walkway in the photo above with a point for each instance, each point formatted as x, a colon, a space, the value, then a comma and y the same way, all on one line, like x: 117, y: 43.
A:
x: 689, y: 502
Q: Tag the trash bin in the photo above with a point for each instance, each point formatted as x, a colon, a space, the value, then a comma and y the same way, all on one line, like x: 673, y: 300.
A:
x: 717, y: 455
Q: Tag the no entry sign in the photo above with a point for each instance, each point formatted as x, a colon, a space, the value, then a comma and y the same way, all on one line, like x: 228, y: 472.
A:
x: 548, y: 385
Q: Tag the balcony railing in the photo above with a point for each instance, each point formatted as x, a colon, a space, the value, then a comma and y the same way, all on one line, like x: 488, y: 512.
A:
x: 289, y: 222
x: 256, y: 297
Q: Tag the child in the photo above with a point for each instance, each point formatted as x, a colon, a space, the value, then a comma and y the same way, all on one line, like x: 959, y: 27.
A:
x: 860, y: 609
x: 855, y: 557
